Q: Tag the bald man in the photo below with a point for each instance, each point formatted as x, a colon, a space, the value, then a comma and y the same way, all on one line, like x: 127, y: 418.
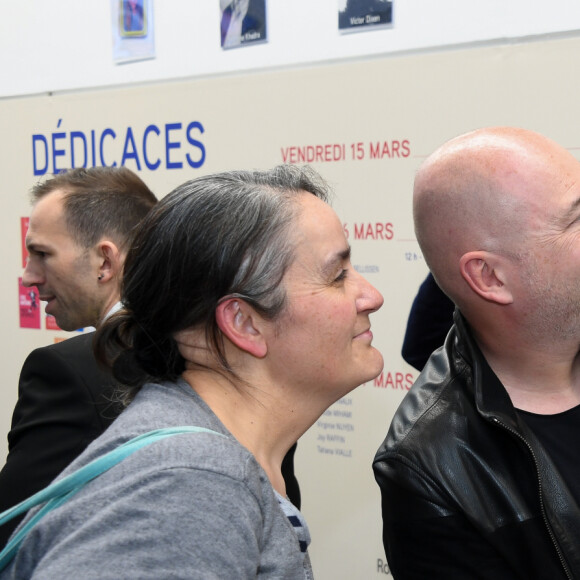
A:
x: 480, y: 470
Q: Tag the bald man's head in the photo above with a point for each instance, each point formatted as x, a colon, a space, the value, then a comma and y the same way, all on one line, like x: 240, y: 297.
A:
x: 485, y: 190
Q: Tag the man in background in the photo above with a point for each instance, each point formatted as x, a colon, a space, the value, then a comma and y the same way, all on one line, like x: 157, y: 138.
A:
x: 79, y: 232
x: 479, y: 473
x: 429, y: 321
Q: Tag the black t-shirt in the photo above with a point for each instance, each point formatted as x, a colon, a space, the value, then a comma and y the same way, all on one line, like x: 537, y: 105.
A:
x: 560, y: 436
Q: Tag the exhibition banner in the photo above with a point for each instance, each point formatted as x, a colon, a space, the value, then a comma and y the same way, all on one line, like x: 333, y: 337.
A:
x: 366, y: 126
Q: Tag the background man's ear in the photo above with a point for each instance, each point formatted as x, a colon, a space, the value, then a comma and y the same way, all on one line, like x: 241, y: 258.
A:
x: 110, y: 260
x: 486, y: 274
x: 240, y: 323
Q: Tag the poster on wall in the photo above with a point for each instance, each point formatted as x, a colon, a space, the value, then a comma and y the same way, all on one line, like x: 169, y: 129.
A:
x: 29, y: 306
x: 243, y: 22
x: 358, y: 15
x: 132, y: 26
x: 50, y: 322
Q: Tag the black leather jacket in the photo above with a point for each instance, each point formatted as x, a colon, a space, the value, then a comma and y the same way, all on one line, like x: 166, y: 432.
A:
x: 467, y: 490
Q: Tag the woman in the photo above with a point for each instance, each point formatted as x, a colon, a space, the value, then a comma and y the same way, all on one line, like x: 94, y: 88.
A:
x: 243, y: 315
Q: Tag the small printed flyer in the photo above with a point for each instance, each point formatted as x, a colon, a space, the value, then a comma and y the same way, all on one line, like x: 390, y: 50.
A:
x: 243, y: 22
x: 359, y: 15
x: 132, y: 24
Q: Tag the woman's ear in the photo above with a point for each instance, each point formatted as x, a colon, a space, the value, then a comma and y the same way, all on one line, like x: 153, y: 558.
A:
x: 240, y: 323
x: 486, y: 274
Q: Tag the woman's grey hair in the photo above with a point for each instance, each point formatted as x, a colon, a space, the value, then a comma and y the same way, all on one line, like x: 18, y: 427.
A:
x: 221, y: 235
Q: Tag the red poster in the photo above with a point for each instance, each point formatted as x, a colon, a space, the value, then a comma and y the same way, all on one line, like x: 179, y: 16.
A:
x: 29, y: 303
x: 23, y: 230
x: 51, y: 323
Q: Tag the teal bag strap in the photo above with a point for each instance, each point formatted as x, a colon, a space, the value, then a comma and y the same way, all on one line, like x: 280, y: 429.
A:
x: 62, y: 490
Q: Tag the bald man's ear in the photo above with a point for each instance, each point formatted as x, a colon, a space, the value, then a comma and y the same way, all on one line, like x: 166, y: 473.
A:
x: 486, y: 275
x: 110, y: 259
x: 241, y: 324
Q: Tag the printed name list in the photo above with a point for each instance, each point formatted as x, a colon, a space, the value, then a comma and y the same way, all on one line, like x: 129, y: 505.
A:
x: 334, y: 428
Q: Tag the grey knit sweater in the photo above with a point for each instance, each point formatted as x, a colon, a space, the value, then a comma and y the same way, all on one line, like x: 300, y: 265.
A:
x: 192, y: 506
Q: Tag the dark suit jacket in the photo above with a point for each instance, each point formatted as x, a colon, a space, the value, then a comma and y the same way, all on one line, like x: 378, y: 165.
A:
x: 63, y: 404
x: 430, y: 320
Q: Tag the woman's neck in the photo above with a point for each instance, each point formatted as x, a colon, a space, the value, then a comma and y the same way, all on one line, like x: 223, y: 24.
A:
x: 257, y: 419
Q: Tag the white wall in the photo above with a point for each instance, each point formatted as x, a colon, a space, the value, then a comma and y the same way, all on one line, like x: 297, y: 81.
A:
x: 56, y: 45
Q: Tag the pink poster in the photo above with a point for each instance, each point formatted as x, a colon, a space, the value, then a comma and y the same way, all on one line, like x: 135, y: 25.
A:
x: 29, y: 303
x: 51, y: 323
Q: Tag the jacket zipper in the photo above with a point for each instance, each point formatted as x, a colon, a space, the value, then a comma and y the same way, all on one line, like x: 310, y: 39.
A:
x: 542, y: 508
